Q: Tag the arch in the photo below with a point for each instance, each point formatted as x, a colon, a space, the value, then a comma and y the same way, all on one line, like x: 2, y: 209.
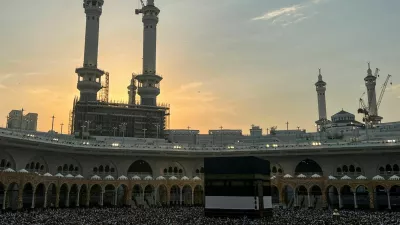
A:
x: 40, y: 191
x: 288, y: 196
x: 109, y: 195
x: 73, y: 196
x: 176, y: 169
x: 315, y: 197
x: 63, y: 196
x: 308, y: 167
x: 394, y: 196
x: 395, y: 168
x: 198, y: 195
x: 162, y: 195
x: 388, y: 169
x: 122, y: 193
x: 149, y: 197
x: 347, y: 197
x: 83, y: 195
x: 51, y: 195
x: 9, y: 161
x: 362, y: 197
x: 37, y: 164
x: 332, y: 197
x: 274, y: 194
x: 274, y: 170
x: 140, y: 168
x: 187, y: 195
x: 381, y: 200
x: 12, y: 196
x: 95, y: 193
x: 352, y: 169
x: 174, y: 195
x: 2, y: 189
x: 137, y: 193
x: 27, y: 196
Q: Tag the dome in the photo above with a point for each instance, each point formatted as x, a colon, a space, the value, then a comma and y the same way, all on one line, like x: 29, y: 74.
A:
x: 316, y: 176
x: 109, y: 177
x: 173, y: 178
x: 345, y: 177
x: 69, y: 176
x: 47, y: 175
x: 361, y: 177
x: 332, y: 177
x: 394, y: 177
x: 136, y: 178
x: 301, y: 176
x: 23, y: 171
x: 79, y: 176
x: 9, y: 170
x: 196, y: 178
x: 287, y: 176
x: 95, y: 177
x: 185, y: 178
x: 122, y: 177
x: 273, y: 177
x: 160, y: 178
x: 58, y: 175
x: 378, y: 177
x: 148, y: 178
x: 37, y: 173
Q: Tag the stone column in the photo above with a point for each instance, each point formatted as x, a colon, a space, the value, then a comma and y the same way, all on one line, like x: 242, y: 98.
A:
x: 101, y: 197
x: 78, y: 197
x: 20, y: 202
x: 309, y: 200
x: 116, y: 197
x: 192, y: 197
x: 33, y: 199
x: 388, y: 198
x: 45, y: 199
x: 340, y: 200
x: 371, y: 200
x: 67, y: 199
x: 57, y: 197
x: 355, y: 200
x: 4, y: 199
x: 87, y: 197
x: 281, y: 197
x: 180, y: 196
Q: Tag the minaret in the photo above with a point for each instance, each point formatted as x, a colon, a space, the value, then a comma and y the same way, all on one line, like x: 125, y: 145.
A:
x: 321, y: 88
x: 132, y: 91
x: 89, y: 76
x: 370, y: 83
x: 149, y: 81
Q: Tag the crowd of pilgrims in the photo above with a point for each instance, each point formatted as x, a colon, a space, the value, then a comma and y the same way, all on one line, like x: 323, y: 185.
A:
x: 190, y: 216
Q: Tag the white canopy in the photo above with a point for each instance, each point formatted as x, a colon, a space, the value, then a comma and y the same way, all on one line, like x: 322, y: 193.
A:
x: 148, y: 178
x: 109, y: 177
x: 185, y: 178
x: 69, y: 176
x: 9, y: 170
x: 173, y: 178
x: 79, y: 176
x: 288, y: 176
x: 47, y: 175
x: 136, y: 177
x: 345, y: 177
x: 332, y: 177
x: 23, y: 171
x: 59, y: 175
x: 378, y: 177
x: 315, y: 176
x: 394, y: 177
x: 160, y: 178
x: 122, y: 177
x: 95, y: 177
x: 196, y: 178
x: 361, y: 177
x: 301, y: 176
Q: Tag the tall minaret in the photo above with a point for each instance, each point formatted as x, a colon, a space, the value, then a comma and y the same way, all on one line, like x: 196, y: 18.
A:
x: 89, y: 76
x: 132, y: 91
x: 370, y: 83
x: 321, y: 88
x: 149, y: 81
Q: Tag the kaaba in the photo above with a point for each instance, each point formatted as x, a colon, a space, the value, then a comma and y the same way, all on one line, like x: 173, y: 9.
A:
x: 237, y: 187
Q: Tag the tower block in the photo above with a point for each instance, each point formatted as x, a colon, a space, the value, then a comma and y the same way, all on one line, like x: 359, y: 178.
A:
x: 89, y: 76
x: 149, y: 81
x: 320, y: 86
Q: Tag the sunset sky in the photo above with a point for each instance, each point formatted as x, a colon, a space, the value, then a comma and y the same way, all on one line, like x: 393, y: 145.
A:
x: 229, y: 63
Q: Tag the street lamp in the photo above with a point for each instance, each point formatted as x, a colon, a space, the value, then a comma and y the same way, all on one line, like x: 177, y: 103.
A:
x: 123, y: 128
x: 158, y: 128
x: 83, y: 129
x: 144, y: 133
x: 115, y: 129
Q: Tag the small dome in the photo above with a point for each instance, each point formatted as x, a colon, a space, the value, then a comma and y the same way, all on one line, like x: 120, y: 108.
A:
x: 345, y: 177
x: 196, y: 178
x: 95, y: 177
x: 79, y: 176
x: 9, y: 170
x: 148, y: 178
x: 273, y: 177
x: 332, y: 177
x: 160, y: 178
x: 47, y: 175
x: 59, y: 175
x: 185, y: 178
x: 136, y: 178
x: 378, y: 177
x: 23, y: 171
x: 37, y: 173
x: 287, y: 176
x: 301, y: 176
x: 69, y: 176
x: 109, y: 177
x: 122, y: 177
x: 315, y: 176
x: 173, y: 178
x: 361, y: 177
x: 394, y: 177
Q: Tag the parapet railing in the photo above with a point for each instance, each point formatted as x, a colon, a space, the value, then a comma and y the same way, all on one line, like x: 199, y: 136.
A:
x: 118, y: 144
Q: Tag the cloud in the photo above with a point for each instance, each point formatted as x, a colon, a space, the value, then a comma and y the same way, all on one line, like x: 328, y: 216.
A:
x: 289, y: 15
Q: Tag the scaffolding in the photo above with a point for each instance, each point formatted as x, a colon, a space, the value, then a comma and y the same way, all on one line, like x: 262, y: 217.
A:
x: 105, y: 88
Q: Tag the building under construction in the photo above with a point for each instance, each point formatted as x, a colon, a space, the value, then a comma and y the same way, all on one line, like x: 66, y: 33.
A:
x: 93, y: 114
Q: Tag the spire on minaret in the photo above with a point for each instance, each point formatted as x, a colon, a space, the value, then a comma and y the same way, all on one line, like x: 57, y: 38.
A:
x: 320, y: 86
x: 319, y: 75
x: 369, y: 71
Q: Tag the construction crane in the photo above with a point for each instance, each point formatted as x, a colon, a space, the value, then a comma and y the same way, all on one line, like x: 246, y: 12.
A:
x: 138, y: 11
x: 383, y: 90
x: 105, y: 88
